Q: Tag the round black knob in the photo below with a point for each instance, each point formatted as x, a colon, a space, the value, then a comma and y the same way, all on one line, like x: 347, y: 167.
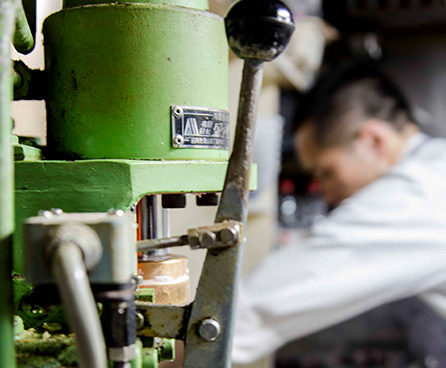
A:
x: 259, y: 29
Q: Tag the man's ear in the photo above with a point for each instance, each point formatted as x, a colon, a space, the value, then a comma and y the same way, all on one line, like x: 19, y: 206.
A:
x: 375, y: 134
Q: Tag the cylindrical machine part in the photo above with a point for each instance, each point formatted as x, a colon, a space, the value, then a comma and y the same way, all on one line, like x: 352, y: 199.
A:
x: 195, y: 4
x: 167, y: 274
x: 152, y: 223
x: 169, y: 278
x: 116, y: 70
x: 119, y: 324
x: 147, y: 216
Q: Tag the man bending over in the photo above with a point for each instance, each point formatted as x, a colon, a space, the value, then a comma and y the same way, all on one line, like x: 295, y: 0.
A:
x: 385, y: 240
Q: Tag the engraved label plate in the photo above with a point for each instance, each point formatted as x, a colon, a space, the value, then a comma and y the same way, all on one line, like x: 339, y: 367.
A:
x: 199, y: 127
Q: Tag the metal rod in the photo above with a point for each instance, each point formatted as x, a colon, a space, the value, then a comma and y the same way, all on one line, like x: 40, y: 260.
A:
x: 216, y: 296
x: 162, y: 243
x: 7, y: 354
x: 166, y: 222
x: 148, y: 217
x: 23, y: 39
x: 151, y: 222
x: 238, y: 174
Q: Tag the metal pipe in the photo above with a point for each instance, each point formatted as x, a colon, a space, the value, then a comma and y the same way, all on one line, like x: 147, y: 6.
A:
x: 23, y: 39
x: 7, y: 354
x: 68, y: 268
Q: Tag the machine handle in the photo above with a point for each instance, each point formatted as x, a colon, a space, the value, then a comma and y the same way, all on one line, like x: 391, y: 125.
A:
x: 258, y: 31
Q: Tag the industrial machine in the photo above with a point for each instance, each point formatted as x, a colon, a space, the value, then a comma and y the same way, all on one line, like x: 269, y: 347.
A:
x: 136, y: 98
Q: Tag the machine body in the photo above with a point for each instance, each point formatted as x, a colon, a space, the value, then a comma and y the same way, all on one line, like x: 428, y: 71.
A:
x: 136, y: 96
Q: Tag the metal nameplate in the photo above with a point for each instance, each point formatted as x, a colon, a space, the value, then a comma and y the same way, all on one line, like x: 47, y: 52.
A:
x: 199, y: 127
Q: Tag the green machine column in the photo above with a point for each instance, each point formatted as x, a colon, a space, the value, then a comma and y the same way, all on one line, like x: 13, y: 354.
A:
x: 115, y: 70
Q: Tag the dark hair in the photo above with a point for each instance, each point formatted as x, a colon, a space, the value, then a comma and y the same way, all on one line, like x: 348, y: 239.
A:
x: 345, y: 97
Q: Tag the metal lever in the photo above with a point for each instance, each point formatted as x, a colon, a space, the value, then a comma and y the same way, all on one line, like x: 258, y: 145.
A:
x: 258, y: 31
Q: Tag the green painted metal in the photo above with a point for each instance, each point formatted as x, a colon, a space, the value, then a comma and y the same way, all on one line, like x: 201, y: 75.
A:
x: 166, y: 350
x: 194, y: 4
x: 23, y: 39
x: 23, y: 152
x: 98, y: 185
x: 150, y: 358
x: 137, y: 362
x: 7, y: 354
x: 45, y: 350
x: 114, y: 71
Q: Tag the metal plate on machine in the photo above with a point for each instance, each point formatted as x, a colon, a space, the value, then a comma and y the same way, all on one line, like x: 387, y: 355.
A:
x: 199, y: 127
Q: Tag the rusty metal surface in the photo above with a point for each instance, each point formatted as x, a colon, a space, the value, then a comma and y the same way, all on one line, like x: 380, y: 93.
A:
x: 163, y: 320
x: 216, y: 293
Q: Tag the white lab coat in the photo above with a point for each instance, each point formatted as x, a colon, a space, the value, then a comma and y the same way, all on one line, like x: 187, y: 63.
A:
x: 385, y: 243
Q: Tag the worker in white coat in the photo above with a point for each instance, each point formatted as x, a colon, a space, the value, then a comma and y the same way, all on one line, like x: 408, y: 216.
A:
x: 385, y: 240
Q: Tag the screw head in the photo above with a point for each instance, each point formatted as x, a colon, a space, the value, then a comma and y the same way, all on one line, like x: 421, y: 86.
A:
x: 178, y: 140
x: 209, y: 329
x: 115, y: 212
x: 46, y: 214
x: 229, y: 235
x: 177, y: 111
x: 138, y: 279
x: 208, y: 239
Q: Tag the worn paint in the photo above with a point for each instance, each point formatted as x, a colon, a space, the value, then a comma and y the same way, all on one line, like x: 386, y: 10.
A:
x: 98, y: 185
x: 44, y: 350
x: 195, y: 4
x: 114, y: 71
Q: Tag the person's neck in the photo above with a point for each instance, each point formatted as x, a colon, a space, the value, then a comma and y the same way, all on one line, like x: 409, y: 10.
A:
x: 401, y: 139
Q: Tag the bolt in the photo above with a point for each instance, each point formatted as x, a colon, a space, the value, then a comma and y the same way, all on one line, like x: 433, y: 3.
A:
x: 139, y: 320
x: 138, y: 279
x: 194, y: 242
x: 56, y: 211
x: 209, y: 329
x: 208, y: 239
x: 178, y: 140
x: 229, y: 235
x: 177, y: 111
x: 46, y: 214
x: 115, y: 212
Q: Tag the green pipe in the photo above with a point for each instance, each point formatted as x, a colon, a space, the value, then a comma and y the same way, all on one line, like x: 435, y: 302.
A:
x: 7, y: 18
x: 23, y: 39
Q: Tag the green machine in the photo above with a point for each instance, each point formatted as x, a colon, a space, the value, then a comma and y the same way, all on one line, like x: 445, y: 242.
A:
x: 136, y: 99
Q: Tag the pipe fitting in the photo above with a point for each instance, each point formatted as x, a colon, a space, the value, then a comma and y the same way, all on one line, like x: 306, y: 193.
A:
x: 79, y: 234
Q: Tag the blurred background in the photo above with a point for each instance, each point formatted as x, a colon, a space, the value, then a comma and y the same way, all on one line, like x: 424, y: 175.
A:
x: 408, y: 38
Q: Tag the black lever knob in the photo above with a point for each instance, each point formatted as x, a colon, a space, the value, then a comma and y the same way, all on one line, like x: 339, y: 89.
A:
x: 259, y: 29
